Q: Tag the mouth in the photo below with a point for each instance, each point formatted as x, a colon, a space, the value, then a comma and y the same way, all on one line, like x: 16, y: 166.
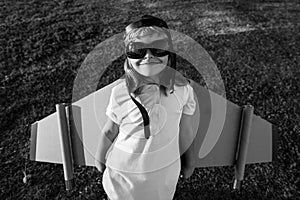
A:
x: 150, y: 63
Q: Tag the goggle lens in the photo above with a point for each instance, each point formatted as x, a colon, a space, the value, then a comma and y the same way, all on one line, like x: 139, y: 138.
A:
x: 141, y: 53
x: 137, y: 50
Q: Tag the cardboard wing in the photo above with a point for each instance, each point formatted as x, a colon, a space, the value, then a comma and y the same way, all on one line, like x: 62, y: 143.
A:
x: 216, y: 145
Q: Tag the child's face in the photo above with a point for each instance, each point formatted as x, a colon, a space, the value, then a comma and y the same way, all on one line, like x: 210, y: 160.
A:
x: 150, y: 65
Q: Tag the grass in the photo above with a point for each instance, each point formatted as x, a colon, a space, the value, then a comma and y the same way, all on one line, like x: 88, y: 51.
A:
x: 43, y: 43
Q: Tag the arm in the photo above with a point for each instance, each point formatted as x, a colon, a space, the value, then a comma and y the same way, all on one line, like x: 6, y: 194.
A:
x: 109, y: 133
x: 186, y: 145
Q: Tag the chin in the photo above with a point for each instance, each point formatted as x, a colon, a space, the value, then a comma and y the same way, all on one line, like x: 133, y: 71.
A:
x: 150, y: 70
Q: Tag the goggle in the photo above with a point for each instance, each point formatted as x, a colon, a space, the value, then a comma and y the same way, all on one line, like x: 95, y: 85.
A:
x: 138, y: 50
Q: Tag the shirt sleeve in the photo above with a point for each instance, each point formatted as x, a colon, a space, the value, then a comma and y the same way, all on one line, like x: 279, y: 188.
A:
x: 189, y: 106
x: 113, y: 108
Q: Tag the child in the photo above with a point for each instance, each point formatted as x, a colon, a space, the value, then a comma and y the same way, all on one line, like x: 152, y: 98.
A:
x: 149, y: 120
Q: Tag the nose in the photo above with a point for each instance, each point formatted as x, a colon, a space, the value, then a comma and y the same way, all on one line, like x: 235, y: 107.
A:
x: 149, y: 54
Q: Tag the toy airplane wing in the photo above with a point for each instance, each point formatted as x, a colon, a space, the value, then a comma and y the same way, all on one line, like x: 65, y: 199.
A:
x: 221, y: 129
x: 87, y: 123
x: 216, y: 141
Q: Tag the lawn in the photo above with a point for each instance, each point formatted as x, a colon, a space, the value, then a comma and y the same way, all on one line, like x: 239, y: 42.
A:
x: 254, y: 45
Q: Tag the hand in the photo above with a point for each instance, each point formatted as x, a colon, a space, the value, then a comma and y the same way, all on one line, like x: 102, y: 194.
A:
x: 100, y: 166
x: 187, y: 172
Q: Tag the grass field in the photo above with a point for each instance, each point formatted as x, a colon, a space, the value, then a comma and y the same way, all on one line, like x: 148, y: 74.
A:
x: 254, y: 45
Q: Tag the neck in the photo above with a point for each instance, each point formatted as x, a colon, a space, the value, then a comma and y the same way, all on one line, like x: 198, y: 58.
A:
x: 155, y: 78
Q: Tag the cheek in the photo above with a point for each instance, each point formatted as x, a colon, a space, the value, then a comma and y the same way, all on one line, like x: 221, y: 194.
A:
x: 133, y: 62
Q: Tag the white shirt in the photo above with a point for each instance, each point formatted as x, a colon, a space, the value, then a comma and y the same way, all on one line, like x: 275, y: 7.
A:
x: 131, y: 151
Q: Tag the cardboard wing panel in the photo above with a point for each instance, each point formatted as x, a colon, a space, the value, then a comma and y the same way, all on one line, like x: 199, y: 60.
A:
x: 45, y: 141
x: 216, y: 146
x: 88, y: 118
x: 261, y: 142
x: 216, y: 139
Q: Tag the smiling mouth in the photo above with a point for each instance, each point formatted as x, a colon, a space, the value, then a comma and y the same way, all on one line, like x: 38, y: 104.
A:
x: 150, y: 63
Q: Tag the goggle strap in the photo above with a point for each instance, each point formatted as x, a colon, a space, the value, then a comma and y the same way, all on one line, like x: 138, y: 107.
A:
x: 145, y: 116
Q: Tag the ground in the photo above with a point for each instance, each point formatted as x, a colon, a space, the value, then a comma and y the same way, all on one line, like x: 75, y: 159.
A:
x: 255, y: 45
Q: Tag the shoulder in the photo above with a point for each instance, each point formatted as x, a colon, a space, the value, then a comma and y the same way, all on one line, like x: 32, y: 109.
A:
x: 120, y: 86
x: 119, y: 92
x: 183, y: 90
